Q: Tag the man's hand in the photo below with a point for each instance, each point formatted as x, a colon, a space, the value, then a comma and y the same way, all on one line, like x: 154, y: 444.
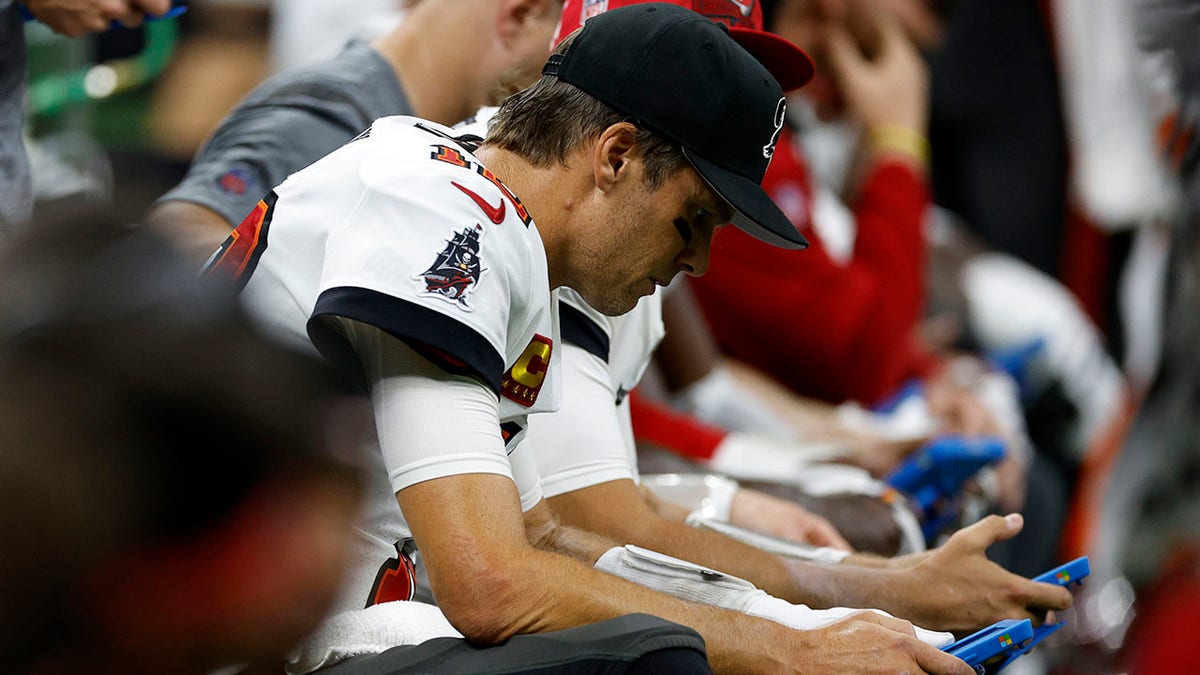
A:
x: 777, y: 517
x: 956, y: 588
x: 866, y: 642
x: 889, y: 89
x: 953, y: 401
x: 74, y: 18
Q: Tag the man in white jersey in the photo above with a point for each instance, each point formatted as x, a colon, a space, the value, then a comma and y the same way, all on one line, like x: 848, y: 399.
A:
x: 404, y: 260
x: 587, y: 460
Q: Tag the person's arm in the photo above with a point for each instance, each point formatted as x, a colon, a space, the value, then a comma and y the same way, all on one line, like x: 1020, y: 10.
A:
x: 493, y: 583
x: 822, y: 424
x: 253, y: 150
x: 262, y: 141
x: 727, y: 393
x: 617, y: 510
x: 585, y: 432
x: 195, y: 229
x: 952, y: 588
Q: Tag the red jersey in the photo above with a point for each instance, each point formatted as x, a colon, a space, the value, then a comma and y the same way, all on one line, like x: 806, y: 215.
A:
x: 827, y: 330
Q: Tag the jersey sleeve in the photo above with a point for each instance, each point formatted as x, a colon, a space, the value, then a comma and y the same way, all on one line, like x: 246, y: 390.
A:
x: 415, y: 259
x: 583, y: 444
x: 430, y: 424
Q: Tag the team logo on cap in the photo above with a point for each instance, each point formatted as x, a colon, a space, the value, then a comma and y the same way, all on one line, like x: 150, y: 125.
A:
x: 457, y: 268
x: 780, y: 113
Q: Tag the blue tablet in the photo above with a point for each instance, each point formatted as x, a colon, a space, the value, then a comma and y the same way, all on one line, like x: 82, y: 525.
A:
x: 1067, y: 574
x: 992, y: 643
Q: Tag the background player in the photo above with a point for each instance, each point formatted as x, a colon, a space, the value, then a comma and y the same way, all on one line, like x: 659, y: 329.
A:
x: 445, y: 60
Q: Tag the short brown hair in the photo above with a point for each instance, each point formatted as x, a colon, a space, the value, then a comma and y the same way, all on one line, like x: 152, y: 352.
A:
x: 551, y: 118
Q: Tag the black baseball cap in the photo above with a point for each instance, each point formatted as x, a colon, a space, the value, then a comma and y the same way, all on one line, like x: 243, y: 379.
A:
x: 682, y: 76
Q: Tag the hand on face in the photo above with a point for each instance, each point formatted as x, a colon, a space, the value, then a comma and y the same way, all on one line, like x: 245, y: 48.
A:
x: 889, y: 87
x: 866, y: 65
x: 962, y: 411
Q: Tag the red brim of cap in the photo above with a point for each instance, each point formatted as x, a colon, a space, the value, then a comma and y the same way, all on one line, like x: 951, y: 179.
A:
x: 790, y: 66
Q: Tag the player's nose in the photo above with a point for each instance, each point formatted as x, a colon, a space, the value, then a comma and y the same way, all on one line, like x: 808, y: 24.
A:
x: 693, y: 259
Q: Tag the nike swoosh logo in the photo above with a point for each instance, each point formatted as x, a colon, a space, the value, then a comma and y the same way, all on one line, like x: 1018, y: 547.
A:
x: 494, y: 213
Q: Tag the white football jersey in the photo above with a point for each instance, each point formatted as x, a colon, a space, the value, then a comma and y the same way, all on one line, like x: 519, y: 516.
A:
x: 404, y: 230
x: 589, y: 440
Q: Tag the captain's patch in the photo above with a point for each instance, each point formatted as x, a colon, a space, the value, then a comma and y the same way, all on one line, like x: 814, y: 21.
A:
x: 524, y: 379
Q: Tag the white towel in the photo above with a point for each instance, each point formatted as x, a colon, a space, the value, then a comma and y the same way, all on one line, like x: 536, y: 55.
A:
x: 369, y: 631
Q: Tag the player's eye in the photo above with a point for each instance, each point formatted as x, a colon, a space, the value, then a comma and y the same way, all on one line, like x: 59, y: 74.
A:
x: 685, y: 230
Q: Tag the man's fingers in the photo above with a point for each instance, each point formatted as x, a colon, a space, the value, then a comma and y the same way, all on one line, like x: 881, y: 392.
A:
x: 70, y: 23
x: 886, y: 621
x: 131, y: 19
x: 844, y: 57
x: 1043, y: 597
x: 132, y: 13
x: 90, y: 24
x: 891, y: 33
x: 988, y: 531
x: 153, y: 7
x: 828, y: 535
x: 938, y: 662
x: 820, y: 532
x: 108, y: 11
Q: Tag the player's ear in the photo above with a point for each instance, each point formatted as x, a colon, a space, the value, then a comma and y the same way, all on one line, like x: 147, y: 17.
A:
x: 613, y: 153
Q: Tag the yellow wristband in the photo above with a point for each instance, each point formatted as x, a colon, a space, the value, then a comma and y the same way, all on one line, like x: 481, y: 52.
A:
x: 895, y: 138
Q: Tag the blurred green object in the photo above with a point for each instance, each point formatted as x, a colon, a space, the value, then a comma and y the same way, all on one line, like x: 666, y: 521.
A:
x: 80, y: 114
x: 53, y: 89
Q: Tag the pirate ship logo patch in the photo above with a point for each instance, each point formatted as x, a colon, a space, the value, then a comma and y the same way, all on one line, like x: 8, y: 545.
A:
x: 457, y: 268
